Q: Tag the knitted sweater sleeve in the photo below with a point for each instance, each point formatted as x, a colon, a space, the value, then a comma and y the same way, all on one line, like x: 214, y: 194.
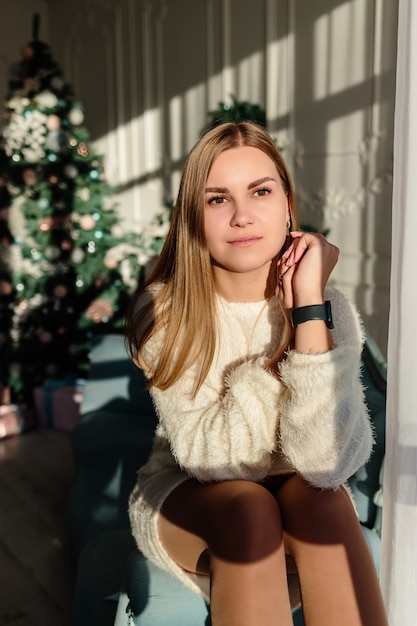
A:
x: 314, y: 413
x: 325, y: 431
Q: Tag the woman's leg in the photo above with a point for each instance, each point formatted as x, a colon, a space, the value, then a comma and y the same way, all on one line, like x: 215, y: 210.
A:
x: 231, y: 530
x: 338, y: 580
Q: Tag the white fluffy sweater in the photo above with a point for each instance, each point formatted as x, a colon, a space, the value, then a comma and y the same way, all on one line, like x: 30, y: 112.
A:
x: 245, y: 423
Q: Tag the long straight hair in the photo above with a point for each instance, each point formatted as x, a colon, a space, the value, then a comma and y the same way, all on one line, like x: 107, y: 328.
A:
x: 181, y: 287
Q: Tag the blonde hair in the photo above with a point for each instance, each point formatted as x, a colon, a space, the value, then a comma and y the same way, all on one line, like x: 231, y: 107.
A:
x: 181, y: 283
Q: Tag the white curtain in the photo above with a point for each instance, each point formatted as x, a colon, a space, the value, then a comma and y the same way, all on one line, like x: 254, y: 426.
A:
x: 399, y: 526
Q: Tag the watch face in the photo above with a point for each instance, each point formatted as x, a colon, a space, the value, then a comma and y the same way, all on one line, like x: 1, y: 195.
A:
x: 329, y: 317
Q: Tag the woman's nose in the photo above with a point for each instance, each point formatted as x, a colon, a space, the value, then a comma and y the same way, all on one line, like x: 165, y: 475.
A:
x: 241, y: 215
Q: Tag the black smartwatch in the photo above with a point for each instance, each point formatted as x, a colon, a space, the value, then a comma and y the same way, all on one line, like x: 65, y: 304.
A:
x: 313, y: 312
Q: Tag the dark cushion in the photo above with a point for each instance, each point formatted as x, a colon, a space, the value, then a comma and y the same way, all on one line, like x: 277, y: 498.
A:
x: 109, y: 448
x: 366, y: 481
x: 101, y: 566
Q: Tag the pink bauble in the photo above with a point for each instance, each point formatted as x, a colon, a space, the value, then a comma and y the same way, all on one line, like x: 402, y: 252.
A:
x: 45, y: 336
x: 110, y: 262
x: 87, y: 222
x: 27, y: 51
x: 5, y: 288
x: 60, y: 291
x: 53, y: 122
x: 29, y: 177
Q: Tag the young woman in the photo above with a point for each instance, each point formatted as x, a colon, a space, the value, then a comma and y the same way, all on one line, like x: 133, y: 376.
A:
x: 253, y: 365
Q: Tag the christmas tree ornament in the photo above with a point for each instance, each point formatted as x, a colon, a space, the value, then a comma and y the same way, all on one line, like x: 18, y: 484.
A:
x: 76, y: 116
x: 52, y: 253
x: 83, y: 150
x: 35, y: 254
x: 45, y: 224
x: 53, y: 122
x: 77, y: 256
x: 87, y: 222
x: 43, y: 203
x: 99, y: 311
x: 61, y: 291
x: 110, y: 262
x: 45, y: 336
x: 57, y: 83
x: 84, y: 194
x: 52, y: 222
x: 71, y: 171
x: 6, y: 288
x: 67, y: 245
x: 29, y: 176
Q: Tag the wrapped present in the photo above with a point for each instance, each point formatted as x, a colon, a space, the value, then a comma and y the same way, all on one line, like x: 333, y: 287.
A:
x: 5, y: 395
x: 11, y: 420
x: 15, y: 419
x: 58, y: 403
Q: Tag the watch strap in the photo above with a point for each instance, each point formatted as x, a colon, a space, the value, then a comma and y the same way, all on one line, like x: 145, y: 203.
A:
x: 313, y: 312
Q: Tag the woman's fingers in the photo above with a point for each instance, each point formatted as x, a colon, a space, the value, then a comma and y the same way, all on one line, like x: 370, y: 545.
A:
x: 285, y: 290
x: 306, y: 266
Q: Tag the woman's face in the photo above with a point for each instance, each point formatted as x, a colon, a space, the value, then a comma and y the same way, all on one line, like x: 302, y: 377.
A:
x: 245, y: 212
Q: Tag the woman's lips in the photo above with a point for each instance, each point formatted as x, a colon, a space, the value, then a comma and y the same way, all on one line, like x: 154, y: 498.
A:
x: 242, y: 242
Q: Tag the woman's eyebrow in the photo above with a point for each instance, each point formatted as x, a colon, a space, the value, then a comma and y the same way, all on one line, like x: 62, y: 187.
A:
x: 217, y: 190
x: 260, y: 181
x: 251, y: 185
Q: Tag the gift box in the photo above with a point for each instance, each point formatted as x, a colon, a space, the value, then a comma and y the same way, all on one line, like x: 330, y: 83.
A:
x: 58, y: 403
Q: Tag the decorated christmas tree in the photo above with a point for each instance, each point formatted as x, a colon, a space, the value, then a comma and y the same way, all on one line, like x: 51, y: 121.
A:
x: 67, y: 271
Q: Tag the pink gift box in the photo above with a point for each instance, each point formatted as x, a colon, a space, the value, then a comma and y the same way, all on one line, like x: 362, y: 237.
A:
x: 58, y: 404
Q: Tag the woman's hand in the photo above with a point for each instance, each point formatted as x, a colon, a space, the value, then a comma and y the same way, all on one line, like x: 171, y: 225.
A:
x: 304, y: 269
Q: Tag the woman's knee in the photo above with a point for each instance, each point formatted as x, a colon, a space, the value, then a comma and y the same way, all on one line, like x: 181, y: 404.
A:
x: 312, y: 514
x: 247, y: 524
x: 237, y: 520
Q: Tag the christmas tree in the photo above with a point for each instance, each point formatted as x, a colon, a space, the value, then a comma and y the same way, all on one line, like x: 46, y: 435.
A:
x: 237, y: 111
x: 67, y: 272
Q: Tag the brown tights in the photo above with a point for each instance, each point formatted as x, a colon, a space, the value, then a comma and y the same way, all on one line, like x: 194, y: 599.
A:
x: 238, y: 532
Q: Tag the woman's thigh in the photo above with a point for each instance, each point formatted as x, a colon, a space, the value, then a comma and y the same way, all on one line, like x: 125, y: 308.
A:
x: 237, y: 520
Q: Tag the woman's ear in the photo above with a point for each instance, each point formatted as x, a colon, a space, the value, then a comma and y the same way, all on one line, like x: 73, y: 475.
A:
x: 288, y: 218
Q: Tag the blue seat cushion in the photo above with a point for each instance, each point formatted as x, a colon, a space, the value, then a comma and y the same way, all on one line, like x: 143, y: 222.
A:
x: 157, y: 598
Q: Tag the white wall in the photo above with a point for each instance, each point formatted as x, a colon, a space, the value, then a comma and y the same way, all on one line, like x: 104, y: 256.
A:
x: 147, y: 72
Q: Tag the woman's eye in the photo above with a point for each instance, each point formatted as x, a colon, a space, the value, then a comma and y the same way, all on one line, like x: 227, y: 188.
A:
x: 217, y: 200
x: 262, y: 192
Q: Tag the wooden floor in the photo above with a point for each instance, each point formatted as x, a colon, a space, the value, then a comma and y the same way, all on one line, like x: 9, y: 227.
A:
x: 37, y: 570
